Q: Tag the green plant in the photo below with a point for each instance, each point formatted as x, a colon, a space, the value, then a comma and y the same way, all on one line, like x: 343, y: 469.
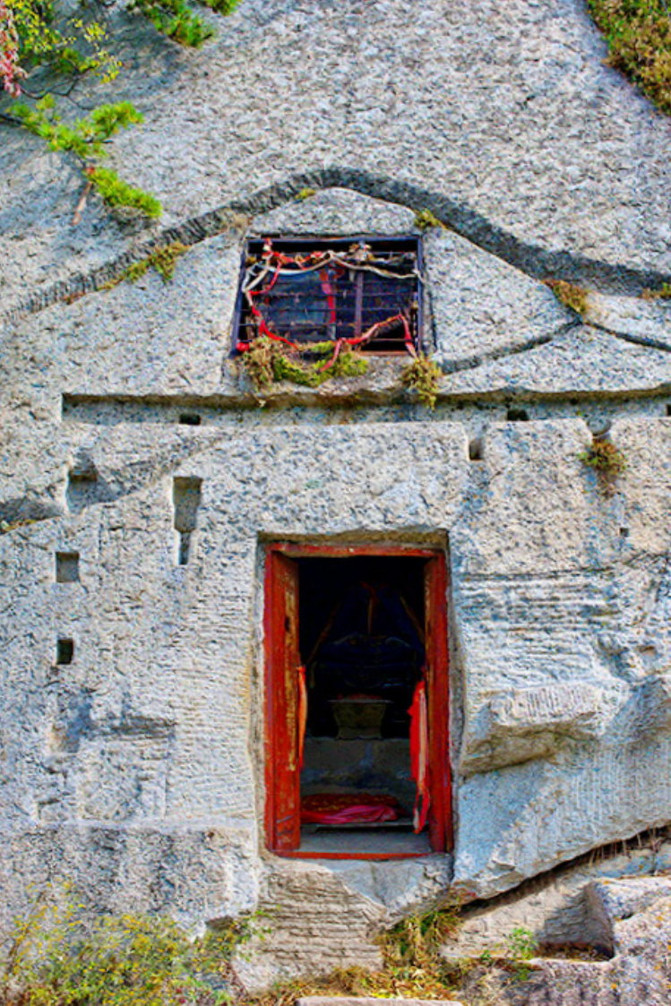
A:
x: 638, y: 33
x: 569, y: 294
x: 59, y: 957
x: 305, y: 194
x: 607, y: 460
x: 176, y: 19
x: 86, y: 139
x: 163, y: 260
x: 521, y: 943
x: 663, y: 292
x: 423, y: 376
x: 425, y: 220
x: 267, y: 361
x: 43, y: 35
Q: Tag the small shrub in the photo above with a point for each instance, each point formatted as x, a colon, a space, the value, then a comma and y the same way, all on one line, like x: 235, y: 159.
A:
x: 425, y: 220
x: 569, y: 294
x: 422, y: 376
x: 58, y: 957
x: 175, y: 19
x: 86, y: 139
x: 638, y: 33
x: 521, y: 943
x: 608, y: 462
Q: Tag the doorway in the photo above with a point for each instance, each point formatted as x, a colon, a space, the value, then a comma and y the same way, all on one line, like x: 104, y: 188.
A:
x: 357, y: 755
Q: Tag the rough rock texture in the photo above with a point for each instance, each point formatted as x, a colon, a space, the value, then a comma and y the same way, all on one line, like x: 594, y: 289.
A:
x: 627, y: 920
x: 137, y: 768
x: 477, y: 111
x: 559, y: 908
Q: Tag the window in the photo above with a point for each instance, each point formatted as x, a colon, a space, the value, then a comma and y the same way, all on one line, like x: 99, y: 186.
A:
x: 357, y: 753
x: 363, y: 292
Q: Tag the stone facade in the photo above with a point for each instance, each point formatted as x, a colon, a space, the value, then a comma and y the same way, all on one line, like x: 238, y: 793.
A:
x: 136, y: 767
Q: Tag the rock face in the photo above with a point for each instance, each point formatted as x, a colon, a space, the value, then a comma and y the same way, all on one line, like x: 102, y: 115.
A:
x: 132, y: 725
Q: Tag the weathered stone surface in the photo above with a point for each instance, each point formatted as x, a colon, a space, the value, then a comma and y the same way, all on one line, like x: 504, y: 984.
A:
x: 138, y: 767
x: 628, y: 917
x: 481, y: 307
x: 559, y: 908
x: 645, y: 321
x: 479, y: 112
x: 362, y: 1001
x: 581, y: 361
x: 335, y: 211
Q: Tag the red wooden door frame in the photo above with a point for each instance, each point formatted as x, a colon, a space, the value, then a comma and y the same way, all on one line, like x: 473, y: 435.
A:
x: 282, y: 774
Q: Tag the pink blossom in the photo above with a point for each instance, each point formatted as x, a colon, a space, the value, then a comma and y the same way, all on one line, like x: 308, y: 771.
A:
x: 10, y: 71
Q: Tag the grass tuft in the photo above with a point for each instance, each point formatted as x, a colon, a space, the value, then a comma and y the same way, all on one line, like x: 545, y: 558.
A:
x: 638, y: 33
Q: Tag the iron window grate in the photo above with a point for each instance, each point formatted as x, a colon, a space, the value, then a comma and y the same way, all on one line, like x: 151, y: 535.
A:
x: 363, y: 291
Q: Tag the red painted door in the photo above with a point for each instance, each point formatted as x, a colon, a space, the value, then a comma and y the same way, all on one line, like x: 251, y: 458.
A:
x: 282, y: 658
x: 283, y: 818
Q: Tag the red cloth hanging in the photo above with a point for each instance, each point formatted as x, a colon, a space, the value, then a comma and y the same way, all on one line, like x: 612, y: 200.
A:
x: 302, y: 713
x: 419, y: 755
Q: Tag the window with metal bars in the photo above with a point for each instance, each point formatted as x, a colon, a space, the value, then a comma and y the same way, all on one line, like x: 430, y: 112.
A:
x: 363, y: 292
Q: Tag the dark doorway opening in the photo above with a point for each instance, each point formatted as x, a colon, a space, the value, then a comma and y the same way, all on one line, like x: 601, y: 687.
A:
x: 361, y: 640
x: 354, y: 637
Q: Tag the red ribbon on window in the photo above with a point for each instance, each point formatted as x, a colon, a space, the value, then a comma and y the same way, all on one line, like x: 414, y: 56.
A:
x: 419, y: 755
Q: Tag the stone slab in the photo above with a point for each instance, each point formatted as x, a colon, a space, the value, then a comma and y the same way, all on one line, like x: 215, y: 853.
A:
x: 481, y: 307
x: 582, y: 361
x: 645, y: 321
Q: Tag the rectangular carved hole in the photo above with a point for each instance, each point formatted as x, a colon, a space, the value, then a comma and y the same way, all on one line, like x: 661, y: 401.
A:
x: 67, y: 567
x: 475, y: 449
x: 668, y: 410
x: 514, y: 415
x: 186, y: 500
x: 189, y: 419
x: 65, y: 651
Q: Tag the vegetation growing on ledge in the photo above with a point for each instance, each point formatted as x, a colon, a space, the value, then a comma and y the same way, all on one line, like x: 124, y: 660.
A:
x: 608, y: 462
x: 425, y: 220
x: 422, y: 376
x: 268, y: 361
x: 662, y: 293
x: 639, y: 42
x: 163, y: 260
x: 569, y: 294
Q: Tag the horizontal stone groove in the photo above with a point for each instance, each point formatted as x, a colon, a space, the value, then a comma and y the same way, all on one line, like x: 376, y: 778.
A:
x: 113, y: 409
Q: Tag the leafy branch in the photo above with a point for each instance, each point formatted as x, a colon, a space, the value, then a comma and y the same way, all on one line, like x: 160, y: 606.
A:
x: 36, y: 36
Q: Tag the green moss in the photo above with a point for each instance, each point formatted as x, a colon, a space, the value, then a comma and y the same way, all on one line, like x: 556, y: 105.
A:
x: 662, y: 293
x: 305, y: 194
x: 267, y: 362
x: 163, y: 260
x: 422, y: 377
x: 425, y: 220
x: 608, y: 462
x: 639, y: 43
x: 569, y: 294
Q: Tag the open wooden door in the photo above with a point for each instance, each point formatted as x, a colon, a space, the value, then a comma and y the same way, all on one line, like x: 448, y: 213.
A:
x: 283, y: 818
x: 282, y: 660
x: 437, y: 675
